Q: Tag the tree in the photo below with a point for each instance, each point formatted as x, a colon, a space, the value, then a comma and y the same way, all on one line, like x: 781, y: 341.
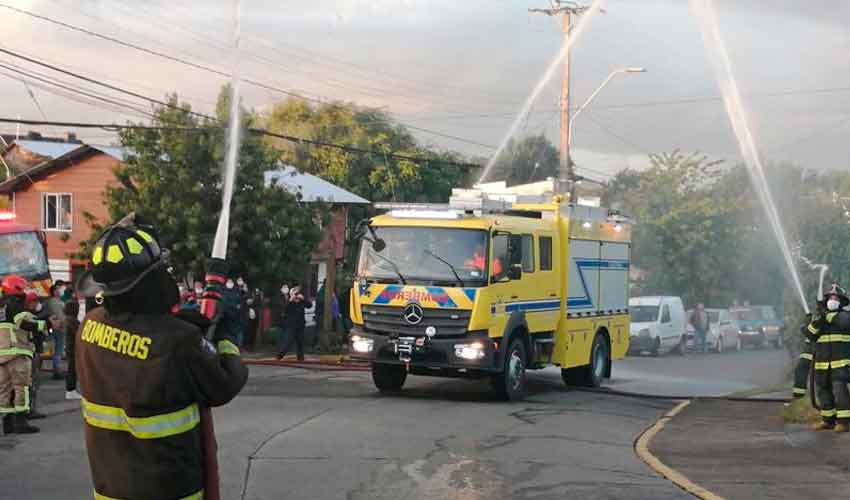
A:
x: 173, y: 179
x: 530, y: 159
x: 376, y: 177
x: 686, y: 225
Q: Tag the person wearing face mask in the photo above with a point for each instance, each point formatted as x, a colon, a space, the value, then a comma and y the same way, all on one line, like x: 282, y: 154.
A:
x: 278, y: 310
x: 296, y: 322
x: 231, y: 299
x: 830, y: 334
x: 16, y: 353
x: 55, y: 308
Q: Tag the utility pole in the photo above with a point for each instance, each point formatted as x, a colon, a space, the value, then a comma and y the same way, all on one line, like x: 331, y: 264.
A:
x: 567, y: 10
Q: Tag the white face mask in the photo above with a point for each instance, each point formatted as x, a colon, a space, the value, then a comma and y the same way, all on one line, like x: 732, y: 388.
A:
x: 229, y: 284
x: 833, y: 304
x: 284, y: 290
x: 60, y: 291
x: 240, y: 282
x: 38, y: 307
x: 199, y: 291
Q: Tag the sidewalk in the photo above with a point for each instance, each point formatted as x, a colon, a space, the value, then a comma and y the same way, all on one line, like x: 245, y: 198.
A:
x: 745, y: 450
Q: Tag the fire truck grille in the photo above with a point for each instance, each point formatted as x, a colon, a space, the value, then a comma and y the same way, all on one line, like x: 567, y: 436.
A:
x: 389, y: 320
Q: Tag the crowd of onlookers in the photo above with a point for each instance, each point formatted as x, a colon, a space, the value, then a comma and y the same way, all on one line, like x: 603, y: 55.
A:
x: 62, y: 308
x: 252, y: 313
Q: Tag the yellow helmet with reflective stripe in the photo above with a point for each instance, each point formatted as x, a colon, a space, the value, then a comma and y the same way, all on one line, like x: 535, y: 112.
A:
x: 122, y: 256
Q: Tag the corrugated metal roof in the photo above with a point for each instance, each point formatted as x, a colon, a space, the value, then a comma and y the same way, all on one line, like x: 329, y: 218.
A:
x: 57, y: 149
x: 312, y: 188
x: 48, y: 148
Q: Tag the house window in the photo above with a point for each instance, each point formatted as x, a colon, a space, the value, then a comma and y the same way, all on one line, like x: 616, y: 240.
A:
x: 56, y: 212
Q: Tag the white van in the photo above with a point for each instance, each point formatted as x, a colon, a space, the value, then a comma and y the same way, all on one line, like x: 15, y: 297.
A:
x: 658, y: 324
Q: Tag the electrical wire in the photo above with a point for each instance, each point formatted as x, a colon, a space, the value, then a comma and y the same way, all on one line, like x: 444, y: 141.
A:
x: 253, y: 130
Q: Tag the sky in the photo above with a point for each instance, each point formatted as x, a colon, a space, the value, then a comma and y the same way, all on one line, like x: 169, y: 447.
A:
x: 459, y: 71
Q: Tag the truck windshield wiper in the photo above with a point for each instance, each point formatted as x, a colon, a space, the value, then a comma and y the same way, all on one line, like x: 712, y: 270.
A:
x: 444, y: 261
x: 394, y: 266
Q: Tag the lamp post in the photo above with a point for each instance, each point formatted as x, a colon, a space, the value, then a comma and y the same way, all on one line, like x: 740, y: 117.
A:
x: 570, y: 173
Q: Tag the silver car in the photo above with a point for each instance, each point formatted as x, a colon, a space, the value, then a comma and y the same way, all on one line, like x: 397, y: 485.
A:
x: 723, y: 331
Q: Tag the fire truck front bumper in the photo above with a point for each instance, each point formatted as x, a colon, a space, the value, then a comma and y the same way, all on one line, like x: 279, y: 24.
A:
x: 470, y: 355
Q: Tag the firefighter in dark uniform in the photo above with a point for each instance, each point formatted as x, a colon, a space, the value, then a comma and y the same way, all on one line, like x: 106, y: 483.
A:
x: 830, y: 336
x: 804, y: 362
x: 144, y: 374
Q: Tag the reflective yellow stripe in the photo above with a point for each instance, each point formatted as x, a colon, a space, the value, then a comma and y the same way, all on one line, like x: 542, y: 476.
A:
x: 825, y: 365
x: 194, y: 496
x: 16, y: 351
x: 834, y: 337
x: 828, y: 413
x: 843, y: 414
x: 26, y: 406
x: 157, y: 426
x: 797, y: 390
x: 227, y: 347
x: 28, y: 316
x: 812, y: 328
x: 831, y: 316
x: 806, y: 355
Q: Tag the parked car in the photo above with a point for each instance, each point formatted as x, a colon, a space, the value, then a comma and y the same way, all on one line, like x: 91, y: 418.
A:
x: 759, y: 326
x: 723, y: 331
x: 658, y: 324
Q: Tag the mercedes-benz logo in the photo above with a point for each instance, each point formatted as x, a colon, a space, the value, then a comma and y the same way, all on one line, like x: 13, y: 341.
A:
x: 413, y: 313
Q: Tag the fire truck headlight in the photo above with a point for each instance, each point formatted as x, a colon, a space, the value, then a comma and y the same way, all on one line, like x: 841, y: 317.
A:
x: 362, y: 344
x: 473, y: 351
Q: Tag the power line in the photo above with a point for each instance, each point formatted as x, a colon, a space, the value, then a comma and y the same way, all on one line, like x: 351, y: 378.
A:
x: 155, y: 52
x: 44, y: 79
x: 290, y: 138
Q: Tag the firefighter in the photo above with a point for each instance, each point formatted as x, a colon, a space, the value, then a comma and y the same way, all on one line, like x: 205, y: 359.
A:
x: 804, y: 362
x: 144, y: 374
x: 16, y: 353
x: 830, y: 336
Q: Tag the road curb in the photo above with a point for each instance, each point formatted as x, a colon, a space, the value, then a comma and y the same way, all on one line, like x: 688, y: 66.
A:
x: 310, y: 364
x: 676, y: 477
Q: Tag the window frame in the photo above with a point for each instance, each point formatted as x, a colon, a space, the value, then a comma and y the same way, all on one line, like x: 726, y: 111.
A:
x: 522, y: 257
x: 58, y: 196
x: 665, y: 312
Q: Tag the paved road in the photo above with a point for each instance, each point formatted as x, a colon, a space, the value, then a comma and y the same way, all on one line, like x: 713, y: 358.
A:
x: 328, y: 435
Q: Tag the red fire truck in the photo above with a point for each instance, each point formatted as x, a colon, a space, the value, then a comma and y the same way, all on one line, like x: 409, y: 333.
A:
x: 23, y: 251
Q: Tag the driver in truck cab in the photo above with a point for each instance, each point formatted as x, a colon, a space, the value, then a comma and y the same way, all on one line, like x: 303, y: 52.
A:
x: 479, y: 261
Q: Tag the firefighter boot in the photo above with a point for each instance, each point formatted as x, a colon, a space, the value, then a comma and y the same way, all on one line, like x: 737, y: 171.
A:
x: 824, y: 426
x: 22, y: 426
x: 842, y: 426
x: 8, y: 425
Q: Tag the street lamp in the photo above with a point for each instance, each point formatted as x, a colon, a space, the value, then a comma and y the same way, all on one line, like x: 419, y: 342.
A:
x: 596, y: 92
x: 569, y: 163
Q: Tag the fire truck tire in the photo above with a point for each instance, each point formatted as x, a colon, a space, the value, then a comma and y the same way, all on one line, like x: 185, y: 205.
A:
x: 388, y: 378
x: 593, y: 374
x: 509, y: 385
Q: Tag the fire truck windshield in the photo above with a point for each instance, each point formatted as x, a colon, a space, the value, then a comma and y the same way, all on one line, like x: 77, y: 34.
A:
x: 426, y: 255
x: 23, y: 254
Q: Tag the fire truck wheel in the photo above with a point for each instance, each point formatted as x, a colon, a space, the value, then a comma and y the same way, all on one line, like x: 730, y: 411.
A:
x: 388, y: 378
x: 510, y: 384
x: 593, y: 374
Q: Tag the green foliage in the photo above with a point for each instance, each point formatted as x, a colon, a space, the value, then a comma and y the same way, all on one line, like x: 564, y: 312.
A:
x: 376, y: 177
x: 172, y: 178
x: 701, y: 232
x: 530, y: 159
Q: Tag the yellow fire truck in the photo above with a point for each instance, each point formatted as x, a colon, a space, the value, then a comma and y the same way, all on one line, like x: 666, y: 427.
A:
x: 491, y: 285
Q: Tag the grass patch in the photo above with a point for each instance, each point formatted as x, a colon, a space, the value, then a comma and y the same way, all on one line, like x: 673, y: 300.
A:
x: 800, y: 411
